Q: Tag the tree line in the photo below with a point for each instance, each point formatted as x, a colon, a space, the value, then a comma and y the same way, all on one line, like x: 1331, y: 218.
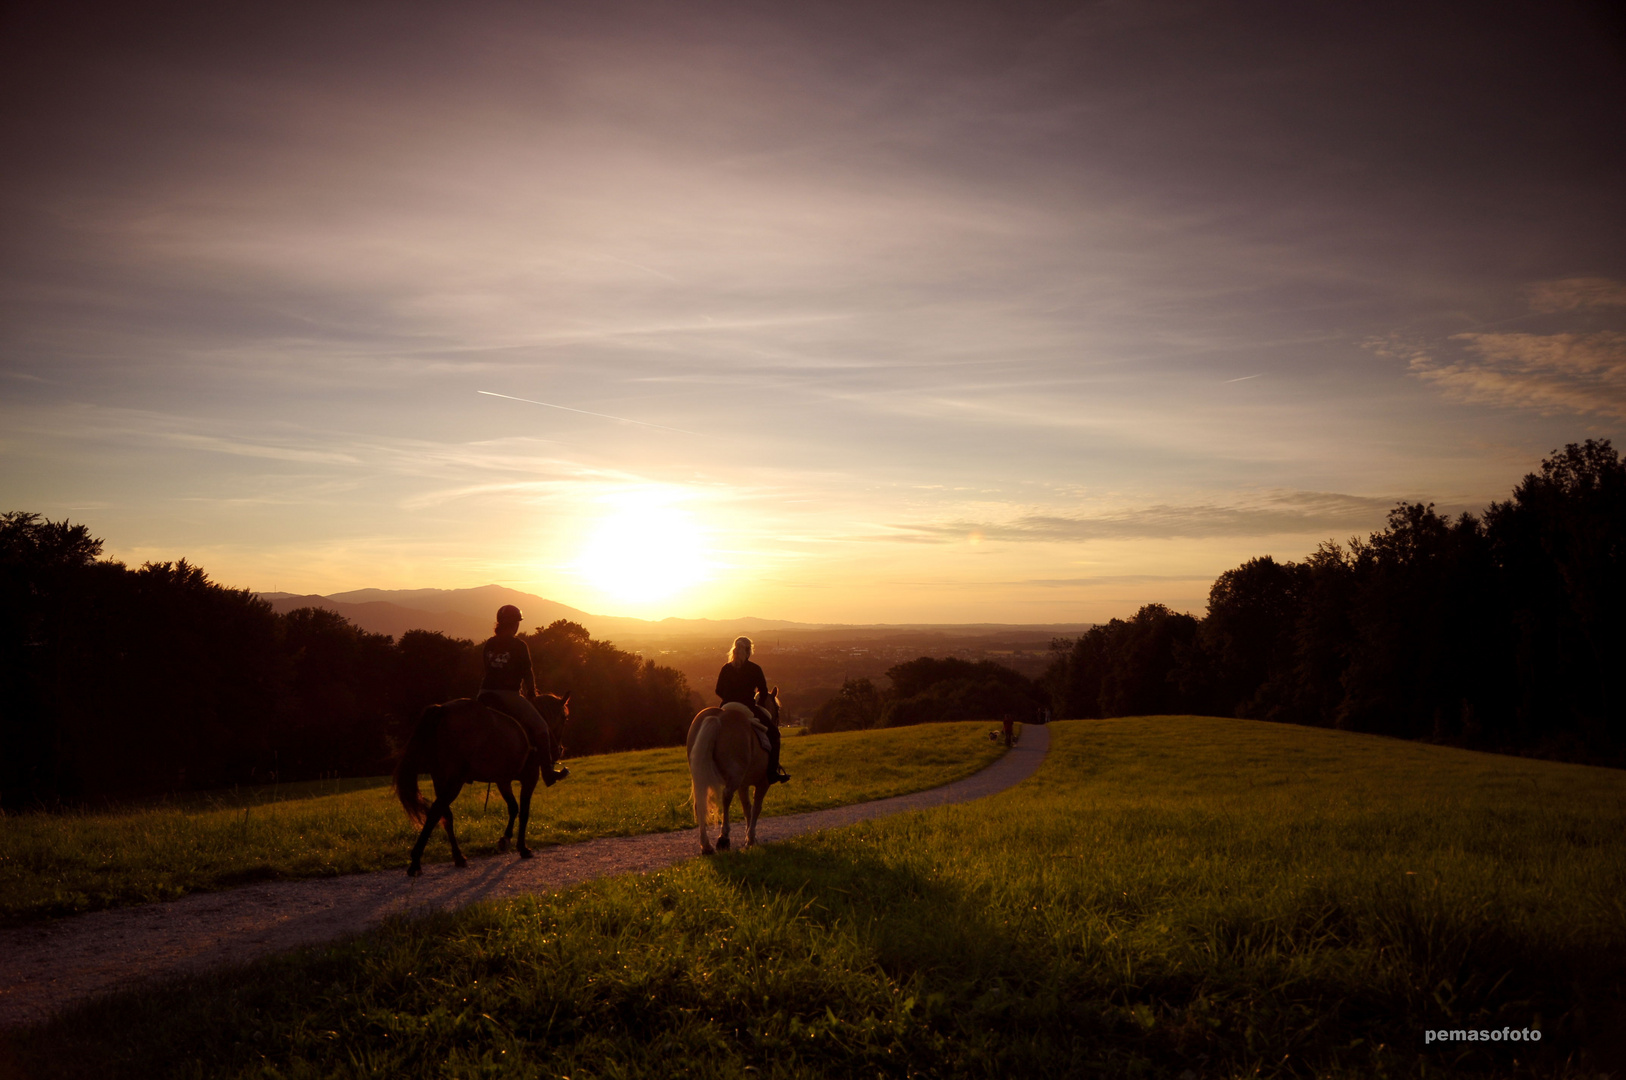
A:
x: 931, y: 690
x: 118, y: 682
x: 1501, y: 630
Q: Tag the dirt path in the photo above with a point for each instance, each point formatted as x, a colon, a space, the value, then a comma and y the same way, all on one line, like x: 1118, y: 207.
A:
x: 50, y: 966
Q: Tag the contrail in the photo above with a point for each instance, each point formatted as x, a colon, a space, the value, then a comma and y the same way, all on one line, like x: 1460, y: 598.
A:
x: 584, y: 412
x: 1244, y: 378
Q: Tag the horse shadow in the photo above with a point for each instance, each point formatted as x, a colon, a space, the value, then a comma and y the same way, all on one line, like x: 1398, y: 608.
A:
x: 916, y: 917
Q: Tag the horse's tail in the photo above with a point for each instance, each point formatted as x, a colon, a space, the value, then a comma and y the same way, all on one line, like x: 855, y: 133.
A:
x: 707, y: 782
x: 412, y: 763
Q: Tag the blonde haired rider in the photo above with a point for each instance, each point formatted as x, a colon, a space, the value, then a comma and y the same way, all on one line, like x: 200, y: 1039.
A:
x: 741, y: 681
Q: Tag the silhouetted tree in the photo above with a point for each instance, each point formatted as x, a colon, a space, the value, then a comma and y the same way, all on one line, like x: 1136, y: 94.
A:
x: 930, y: 690
x: 619, y: 701
x: 44, y: 571
x: 1141, y: 666
x: 856, y: 705
x: 1561, y: 545
x: 119, y: 682
x: 1247, y: 647
x: 1502, y: 632
x: 336, y: 716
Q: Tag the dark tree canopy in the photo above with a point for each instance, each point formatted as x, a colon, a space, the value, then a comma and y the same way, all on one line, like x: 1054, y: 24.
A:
x: 1500, y: 631
x: 118, y: 682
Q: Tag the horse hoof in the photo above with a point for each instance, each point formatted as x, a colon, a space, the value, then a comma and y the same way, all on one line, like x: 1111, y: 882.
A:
x: 525, y: 853
x: 708, y: 850
x: 722, y: 843
x: 460, y: 862
x: 414, y: 870
x: 502, y: 845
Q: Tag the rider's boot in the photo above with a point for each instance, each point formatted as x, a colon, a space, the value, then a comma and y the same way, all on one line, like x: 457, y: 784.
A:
x: 776, y: 772
x: 552, y: 771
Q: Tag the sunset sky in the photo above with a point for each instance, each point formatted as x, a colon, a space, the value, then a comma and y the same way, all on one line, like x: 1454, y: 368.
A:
x: 859, y: 312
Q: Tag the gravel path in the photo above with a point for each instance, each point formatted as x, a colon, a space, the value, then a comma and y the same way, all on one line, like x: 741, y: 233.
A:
x: 47, y: 967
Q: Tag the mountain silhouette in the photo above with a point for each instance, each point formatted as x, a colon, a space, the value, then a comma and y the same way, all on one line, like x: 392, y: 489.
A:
x: 469, y: 613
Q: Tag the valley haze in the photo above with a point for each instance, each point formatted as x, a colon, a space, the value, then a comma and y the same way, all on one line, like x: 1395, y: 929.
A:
x: 808, y: 662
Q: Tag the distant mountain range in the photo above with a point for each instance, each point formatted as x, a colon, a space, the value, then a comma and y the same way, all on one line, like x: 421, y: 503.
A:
x: 469, y: 613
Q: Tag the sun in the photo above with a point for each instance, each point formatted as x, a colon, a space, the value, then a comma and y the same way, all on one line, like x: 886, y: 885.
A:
x: 644, y: 549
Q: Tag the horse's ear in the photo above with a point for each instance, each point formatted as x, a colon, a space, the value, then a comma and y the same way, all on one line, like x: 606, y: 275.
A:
x: 774, y: 692
x: 566, y: 699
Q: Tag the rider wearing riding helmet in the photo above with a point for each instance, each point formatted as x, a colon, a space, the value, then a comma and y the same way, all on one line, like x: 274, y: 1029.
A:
x: 741, y: 680
x: 508, y: 672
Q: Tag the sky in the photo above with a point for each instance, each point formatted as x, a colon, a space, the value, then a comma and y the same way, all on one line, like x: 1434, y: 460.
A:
x: 838, y: 312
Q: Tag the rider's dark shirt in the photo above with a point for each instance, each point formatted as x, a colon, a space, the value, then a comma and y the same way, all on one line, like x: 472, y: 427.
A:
x: 508, y: 664
x: 741, y: 683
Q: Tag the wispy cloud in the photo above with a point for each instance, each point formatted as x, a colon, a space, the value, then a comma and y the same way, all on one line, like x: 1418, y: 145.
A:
x: 587, y: 412
x: 1577, y: 294
x: 1298, y: 512
x: 1548, y: 373
x: 1111, y: 579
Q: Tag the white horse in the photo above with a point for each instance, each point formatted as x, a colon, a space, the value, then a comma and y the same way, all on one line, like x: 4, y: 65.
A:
x: 726, y: 756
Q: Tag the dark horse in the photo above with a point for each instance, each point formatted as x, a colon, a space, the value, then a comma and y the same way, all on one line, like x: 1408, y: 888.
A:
x: 464, y: 741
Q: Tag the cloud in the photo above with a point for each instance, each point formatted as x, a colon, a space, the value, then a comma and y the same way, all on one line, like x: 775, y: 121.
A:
x: 1294, y: 512
x: 1576, y: 294
x: 1550, y: 373
x: 1113, y: 579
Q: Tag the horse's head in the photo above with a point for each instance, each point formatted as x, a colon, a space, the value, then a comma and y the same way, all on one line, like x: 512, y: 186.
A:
x: 554, y: 708
x: 770, y: 702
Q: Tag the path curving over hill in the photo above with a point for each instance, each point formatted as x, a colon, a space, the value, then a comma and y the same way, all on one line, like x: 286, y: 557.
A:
x: 48, y: 967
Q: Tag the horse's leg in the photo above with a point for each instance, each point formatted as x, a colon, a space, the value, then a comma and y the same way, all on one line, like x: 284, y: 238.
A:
x: 507, y: 790
x: 723, y: 841
x: 703, y: 816
x: 754, y: 812
x: 527, y: 784
x: 446, y: 820
x: 430, y: 820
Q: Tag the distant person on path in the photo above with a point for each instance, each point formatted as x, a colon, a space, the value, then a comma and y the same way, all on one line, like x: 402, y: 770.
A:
x: 507, y: 672
x: 741, y: 680
x: 1008, y: 722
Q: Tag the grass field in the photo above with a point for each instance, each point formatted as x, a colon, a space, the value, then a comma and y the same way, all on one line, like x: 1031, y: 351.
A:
x: 62, y: 863
x: 1167, y: 897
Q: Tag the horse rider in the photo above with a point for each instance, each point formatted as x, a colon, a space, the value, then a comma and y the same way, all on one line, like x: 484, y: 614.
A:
x: 507, y: 672
x: 741, y: 680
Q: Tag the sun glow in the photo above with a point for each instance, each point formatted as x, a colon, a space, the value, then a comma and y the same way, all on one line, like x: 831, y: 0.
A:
x: 643, y: 550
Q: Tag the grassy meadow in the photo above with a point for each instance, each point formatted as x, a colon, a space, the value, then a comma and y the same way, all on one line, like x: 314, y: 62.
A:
x: 1173, y: 896
x: 64, y: 863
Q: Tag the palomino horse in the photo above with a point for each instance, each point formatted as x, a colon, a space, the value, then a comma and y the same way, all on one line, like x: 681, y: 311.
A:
x: 464, y: 741
x: 726, y: 756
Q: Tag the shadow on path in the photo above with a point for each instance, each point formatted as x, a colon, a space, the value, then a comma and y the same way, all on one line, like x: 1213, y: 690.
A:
x: 47, y: 967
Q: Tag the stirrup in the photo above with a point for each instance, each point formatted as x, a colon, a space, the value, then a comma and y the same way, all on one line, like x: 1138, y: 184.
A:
x: 551, y: 777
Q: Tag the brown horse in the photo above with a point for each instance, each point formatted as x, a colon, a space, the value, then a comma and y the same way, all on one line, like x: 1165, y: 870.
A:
x: 464, y: 741
x: 726, y: 756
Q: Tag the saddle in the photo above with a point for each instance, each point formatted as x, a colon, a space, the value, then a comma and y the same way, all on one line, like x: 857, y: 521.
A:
x: 491, y: 701
x: 761, y: 729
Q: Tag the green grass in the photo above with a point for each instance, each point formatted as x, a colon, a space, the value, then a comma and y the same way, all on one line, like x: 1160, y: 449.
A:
x: 1168, y: 895
x: 63, y: 863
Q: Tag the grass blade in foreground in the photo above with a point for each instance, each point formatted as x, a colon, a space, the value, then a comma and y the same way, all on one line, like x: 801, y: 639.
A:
x: 1232, y: 898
